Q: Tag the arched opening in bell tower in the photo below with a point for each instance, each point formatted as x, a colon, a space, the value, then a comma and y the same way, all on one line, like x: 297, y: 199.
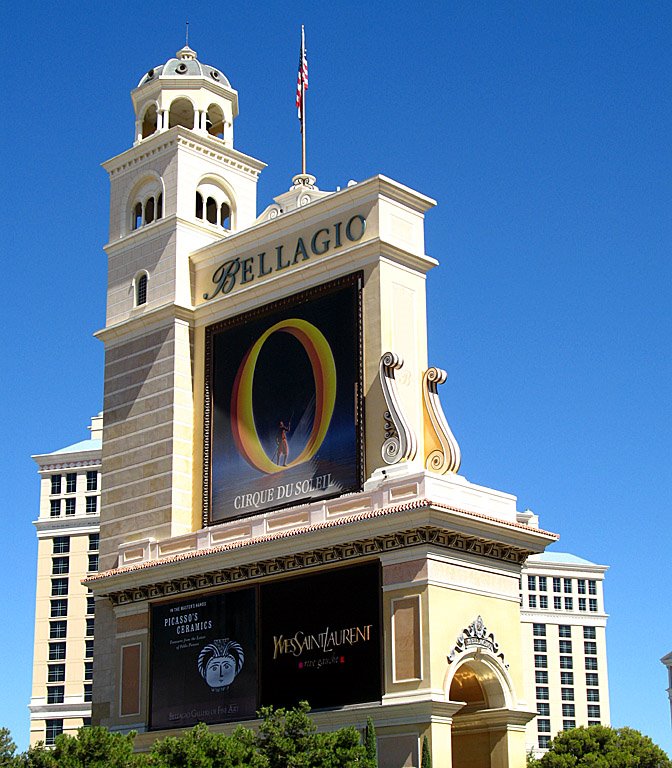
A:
x: 215, y: 121
x: 149, y: 121
x: 181, y: 113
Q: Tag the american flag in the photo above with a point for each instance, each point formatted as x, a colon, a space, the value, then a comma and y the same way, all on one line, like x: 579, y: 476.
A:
x: 302, y: 78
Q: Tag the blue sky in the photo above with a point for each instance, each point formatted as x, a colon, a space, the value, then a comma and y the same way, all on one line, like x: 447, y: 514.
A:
x: 543, y: 131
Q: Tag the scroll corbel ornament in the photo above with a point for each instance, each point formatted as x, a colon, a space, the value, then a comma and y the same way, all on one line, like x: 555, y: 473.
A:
x: 400, y: 443
x: 447, y: 456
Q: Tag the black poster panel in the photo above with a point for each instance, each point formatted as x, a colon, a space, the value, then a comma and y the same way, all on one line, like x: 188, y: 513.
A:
x: 204, y: 660
x: 284, y: 420
x: 320, y: 638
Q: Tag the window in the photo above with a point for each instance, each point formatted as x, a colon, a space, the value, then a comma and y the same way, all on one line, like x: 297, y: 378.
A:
x: 543, y: 725
x: 591, y: 662
x: 94, y: 542
x: 591, y: 678
x: 566, y: 662
x: 532, y: 583
x: 70, y: 506
x: 93, y: 562
x: 88, y: 692
x: 59, y: 607
x: 569, y: 604
x: 55, y: 507
x: 564, y: 630
x: 211, y: 210
x: 592, y: 694
x: 589, y: 633
x: 568, y: 694
x: 57, y: 629
x: 199, y: 205
x: 542, y: 583
x: 86, y: 722
x: 582, y: 603
x: 544, y: 742
x: 592, y: 587
x: 137, y: 216
x: 149, y: 211
x: 89, y: 627
x: 56, y: 673
x: 56, y: 651
x: 566, y: 678
x: 593, y: 722
x: 59, y: 587
x: 567, y: 583
x: 542, y: 692
x: 55, y: 484
x: 568, y: 710
x: 543, y: 601
x: 159, y: 206
x: 71, y: 482
x: 557, y: 603
x: 91, y: 505
x: 565, y: 646
x: 91, y: 480
x: 581, y: 586
x: 62, y: 545
x: 544, y: 709
x: 141, y: 290
x: 88, y: 670
x: 556, y: 584
x: 540, y: 661
x: 590, y: 648
x: 592, y: 604
x: 593, y: 710
x: 539, y: 630
x: 55, y: 694
x: 532, y: 601
x: 539, y: 645
x: 60, y: 565
x: 90, y: 605
x: 54, y: 728
x: 89, y: 649
x: 541, y: 676
x: 567, y: 725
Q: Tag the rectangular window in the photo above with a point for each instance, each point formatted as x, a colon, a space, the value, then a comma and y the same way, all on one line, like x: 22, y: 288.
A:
x: 91, y: 505
x: 539, y: 645
x: 569, y: 603
x: 593, y: 710
x: 543, y: 601
x: 568, y: 694
x: 59, y: 587
x: 55, y: 507
x: 568, y: 710
x: 54, y: 728
x: 567, y: 584
x: 581, y: 586
x: 557, y: 603
x: 566, y: 662
x: 543, y: 725
x: 61, y: 545
x: 590, y: 648
x: 567, y: 725
x: 70, y: 505
x: 56, y: 673
x: 532, y: 583
x: 55, y: 694
x: 591, y: 662
x: 58, y: 629
x: 541, y: 677
x: 89, y: 627
x: 89, y: 649
x: 55, y: 484
x: 71, y: 482
x: 556, y: 584
x: 86, y: 722
x: 540, y: 661
x: 90, y: 605
x: 93, y: 562
x: 542, y: 692
x: 592, y: 694
x: 539, y: 630
x: 94, y: 542
x: 88, y: 692
x: 564, y: 630
x: 532, y: 601
x: 582, y: 603
x: 88, y: 670
x: 593, y: 722
x: 60, y: 565
x: 544, y: 742
x: 544, y: 709
x: 566, y: 678
x: 592, y: 587
x: 592, y: 604
x: 92, y: 480
x: 56, y: 651
x: 565, y: 646
x: 542, y: 583
x: 59, y: 607
x: 589, y: 633
x: 592, y: 678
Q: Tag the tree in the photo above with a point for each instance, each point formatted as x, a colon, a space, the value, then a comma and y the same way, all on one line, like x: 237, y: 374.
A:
x: 370, y: 744
x: 7, y: 748
x: 599, y: 746
x: 426, y: 760
x: 91, y: 748
x: 200, y: 748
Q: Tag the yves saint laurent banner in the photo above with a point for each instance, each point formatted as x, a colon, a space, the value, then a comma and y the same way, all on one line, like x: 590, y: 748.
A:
x: 204, y: 660
x: 320, y: 638
x: 284, y: 393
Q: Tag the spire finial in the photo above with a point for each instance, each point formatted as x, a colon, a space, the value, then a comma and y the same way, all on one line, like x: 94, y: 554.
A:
x: 186, y: 42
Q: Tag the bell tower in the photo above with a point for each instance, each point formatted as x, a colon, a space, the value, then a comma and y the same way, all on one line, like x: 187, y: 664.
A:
x: 181, y: 186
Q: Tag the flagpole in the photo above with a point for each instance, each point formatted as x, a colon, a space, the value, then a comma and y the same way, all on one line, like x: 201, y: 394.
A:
x: 303, y: 105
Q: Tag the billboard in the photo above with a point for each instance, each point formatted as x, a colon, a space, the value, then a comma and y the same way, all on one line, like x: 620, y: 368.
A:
x: 204, y: 660
x: 283, y: 405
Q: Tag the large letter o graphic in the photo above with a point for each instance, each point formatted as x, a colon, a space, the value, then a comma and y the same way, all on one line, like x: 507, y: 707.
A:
x: 242, y: 412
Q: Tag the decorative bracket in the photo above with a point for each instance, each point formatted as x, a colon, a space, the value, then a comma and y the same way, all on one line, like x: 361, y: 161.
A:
x: 400, y: 441
x: 445, y: 457
x: 477, y: 636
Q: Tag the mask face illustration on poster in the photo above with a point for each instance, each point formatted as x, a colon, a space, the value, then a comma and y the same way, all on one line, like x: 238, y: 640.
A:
x: 219, y: 662
x: 285, y: 407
